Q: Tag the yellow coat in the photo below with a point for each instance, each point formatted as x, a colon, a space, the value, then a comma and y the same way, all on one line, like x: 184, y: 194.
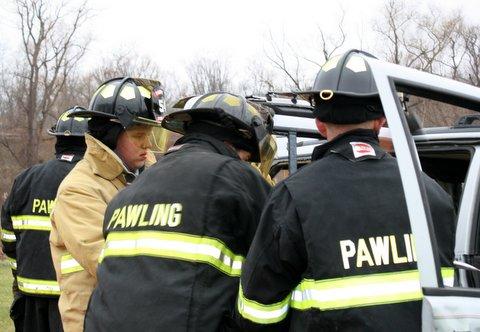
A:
x: 76, y: 239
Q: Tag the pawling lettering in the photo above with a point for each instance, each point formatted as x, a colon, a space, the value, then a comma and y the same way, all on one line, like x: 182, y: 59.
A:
x: 380, y: 250
x: 141, y: 215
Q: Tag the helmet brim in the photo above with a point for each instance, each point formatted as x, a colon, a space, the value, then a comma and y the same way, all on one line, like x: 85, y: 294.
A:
x: 147, y: 122
x: 338, y: 93
x: 63, y: 134
x: 84, y: 113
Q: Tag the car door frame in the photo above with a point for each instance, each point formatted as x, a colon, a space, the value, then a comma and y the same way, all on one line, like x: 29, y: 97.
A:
x: 391, y: 79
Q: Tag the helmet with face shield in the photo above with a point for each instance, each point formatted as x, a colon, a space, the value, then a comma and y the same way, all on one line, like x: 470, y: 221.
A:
x: 240, y: 122
x: 130, y: 102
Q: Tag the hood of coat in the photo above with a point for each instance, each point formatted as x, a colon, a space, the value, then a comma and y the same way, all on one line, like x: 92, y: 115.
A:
x: 104, y: 161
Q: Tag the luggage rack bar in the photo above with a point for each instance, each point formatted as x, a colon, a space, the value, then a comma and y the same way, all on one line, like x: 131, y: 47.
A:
x: 287, y: 112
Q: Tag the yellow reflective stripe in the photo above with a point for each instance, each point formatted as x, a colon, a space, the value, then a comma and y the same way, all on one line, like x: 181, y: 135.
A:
x: 12, y: 262
x: 68, y: 264
x: 363, y: 290
x: 38, y: 286
x: 39, y: 223
x: 357, y: 291
x: 262, y: 313
x: 448, y: 274
x: 174, y: 245
x: 340, y: 293
x: 8, y: 236
x: 337, y: 294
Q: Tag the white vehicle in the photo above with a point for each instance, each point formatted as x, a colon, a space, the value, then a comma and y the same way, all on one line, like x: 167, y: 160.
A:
x: 450, y: 155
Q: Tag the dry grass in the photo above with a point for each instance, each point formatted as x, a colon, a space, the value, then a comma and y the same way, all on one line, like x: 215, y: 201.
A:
x: 6, y: 324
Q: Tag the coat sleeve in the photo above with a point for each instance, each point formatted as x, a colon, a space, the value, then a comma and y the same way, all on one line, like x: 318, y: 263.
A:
x: 238, y: 196
x: 9, y: 240
x: 78, y: 217
x: 273, y: 267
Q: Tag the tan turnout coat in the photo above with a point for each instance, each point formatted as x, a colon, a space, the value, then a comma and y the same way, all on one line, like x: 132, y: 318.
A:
x: 76, y: 238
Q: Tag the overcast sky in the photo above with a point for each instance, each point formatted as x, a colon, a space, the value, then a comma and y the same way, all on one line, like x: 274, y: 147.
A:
x: 173, y: 32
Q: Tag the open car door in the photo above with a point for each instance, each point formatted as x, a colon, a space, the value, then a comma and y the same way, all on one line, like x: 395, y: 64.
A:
x: 444, y: 308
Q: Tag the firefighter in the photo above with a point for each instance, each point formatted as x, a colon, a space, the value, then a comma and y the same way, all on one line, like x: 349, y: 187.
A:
x: 177, y: 237
x: 123, y: 113
x: 334, y: 249
x: 26, y: 227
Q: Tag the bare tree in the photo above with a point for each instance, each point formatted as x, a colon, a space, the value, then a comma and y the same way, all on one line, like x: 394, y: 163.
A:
x: 50, y: 51
x: 471, y: 39
x: 282, y: 56
x: 208, y: 75
x: 427, y: 50
x: 123, y: 63
x: 430, y: 42
x: 331, y: 43
x: 290, y: 60
x: 436, y: 42
x: 260, y: 80
x: 393, y: 27
x: 119, y: 64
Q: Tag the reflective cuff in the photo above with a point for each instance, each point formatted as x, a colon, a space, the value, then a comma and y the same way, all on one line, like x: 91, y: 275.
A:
x: 38, y: 286
x: 26, y: 222
x: 262, y: 313
x: 173, y: 245
x: 8, y: 236
x: 12, y: 262
x: 69, y: 264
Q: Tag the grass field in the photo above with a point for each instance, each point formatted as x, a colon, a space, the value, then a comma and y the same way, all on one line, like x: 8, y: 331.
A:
x: 5, y: 297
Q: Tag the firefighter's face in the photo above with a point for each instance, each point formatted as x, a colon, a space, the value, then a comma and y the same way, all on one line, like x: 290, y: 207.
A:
x: 133, y: 145
x: 244, y: 155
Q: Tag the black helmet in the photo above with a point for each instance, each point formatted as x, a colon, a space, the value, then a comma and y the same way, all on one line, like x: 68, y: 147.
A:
x: 344, y: 91
x: 230, y: 113
x: 68, y: 125
x: 129, y: 100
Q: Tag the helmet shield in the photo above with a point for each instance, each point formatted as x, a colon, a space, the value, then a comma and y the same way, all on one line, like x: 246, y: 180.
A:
x: 68, y: 125
x: 145, y: 136
x: 268, y: 149
x: 160, y: 139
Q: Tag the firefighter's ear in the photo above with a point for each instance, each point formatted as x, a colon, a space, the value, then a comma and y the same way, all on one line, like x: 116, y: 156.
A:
x: 321, y: 127
x: 378, y: 124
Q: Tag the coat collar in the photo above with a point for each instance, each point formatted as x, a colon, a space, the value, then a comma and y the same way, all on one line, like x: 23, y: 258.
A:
x: 104, y: 162
x: 355, y: 145
x: 205, y: 142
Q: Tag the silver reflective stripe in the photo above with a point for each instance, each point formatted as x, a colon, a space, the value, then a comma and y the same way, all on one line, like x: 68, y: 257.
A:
x: 8, y: 236
x: 30, y: 222
x: 69, y: 264
x: 262, y: 313
x: 264, y: 316
x: 448, y: 282
x: 38, y: 286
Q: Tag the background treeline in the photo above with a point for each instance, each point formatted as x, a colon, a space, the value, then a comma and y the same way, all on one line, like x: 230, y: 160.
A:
x: 47, y: 75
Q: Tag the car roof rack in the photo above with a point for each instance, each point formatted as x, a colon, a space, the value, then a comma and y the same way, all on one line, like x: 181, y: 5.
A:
x: 293, y: 119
